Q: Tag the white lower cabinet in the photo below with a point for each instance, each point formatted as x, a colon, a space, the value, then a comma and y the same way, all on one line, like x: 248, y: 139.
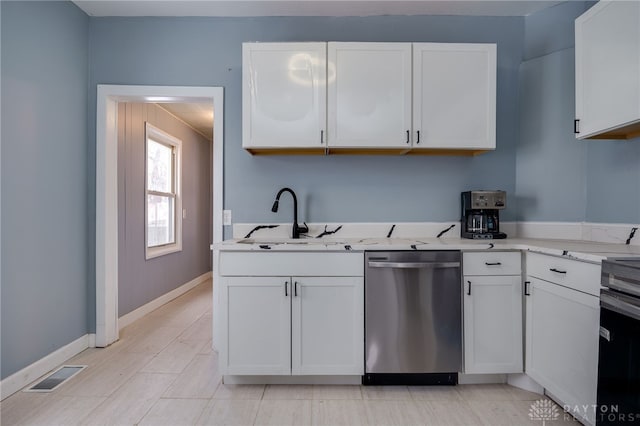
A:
x: 276, y: 325
x: 492, y: 312
x: 327, y: 326
x: 562, y: 344
x: 258, y: 325
x: 493, y: 324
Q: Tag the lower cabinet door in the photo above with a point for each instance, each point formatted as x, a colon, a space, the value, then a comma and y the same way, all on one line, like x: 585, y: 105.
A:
x: 562, y: 329
x: 492, y: 324
x: 327, y: 326
x: 257, y: 335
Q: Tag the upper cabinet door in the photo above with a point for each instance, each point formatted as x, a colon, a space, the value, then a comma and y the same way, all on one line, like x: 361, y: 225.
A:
x: 454, y: 96
x: 608, y: 71
x: 283, y: 95
x: 369, y: 95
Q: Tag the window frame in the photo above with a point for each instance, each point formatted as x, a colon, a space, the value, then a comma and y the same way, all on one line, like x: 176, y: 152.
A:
x: 162, y: 137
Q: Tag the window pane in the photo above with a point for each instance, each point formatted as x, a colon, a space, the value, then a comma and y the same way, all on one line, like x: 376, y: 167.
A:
x: 159, y: 168
x: 160, y: 220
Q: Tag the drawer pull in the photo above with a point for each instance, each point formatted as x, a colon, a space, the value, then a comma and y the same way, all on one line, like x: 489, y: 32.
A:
x: 295, y: 288
x: 526, y: 288
x: 286, y: 288
x: 469, y: 291
x: 557, y: 271
x: 493, y: 263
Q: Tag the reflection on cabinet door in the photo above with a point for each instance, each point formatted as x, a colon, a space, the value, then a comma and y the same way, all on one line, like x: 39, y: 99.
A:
x: 327, y: 325
x: 454, y: 95
x: 257, y: 336
x: 562, y: 329
x: 369, y: 95
x: 283, y: 95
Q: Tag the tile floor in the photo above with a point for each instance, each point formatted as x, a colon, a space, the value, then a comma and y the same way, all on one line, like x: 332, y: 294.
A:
x: 163, y: 372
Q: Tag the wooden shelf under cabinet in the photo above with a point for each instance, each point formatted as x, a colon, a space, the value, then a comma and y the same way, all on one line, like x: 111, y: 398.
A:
x: 366, y: 151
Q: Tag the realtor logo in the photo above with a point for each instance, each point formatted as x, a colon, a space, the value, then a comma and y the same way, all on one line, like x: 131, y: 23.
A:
x: 544, y: 410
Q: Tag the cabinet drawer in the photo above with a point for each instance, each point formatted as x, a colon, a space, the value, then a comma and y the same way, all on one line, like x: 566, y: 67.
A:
x: 291, y: 264
x: 491, y: 263
x: 581, y: 276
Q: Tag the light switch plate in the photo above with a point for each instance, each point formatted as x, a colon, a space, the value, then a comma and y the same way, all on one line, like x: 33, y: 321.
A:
x: 226, y: 217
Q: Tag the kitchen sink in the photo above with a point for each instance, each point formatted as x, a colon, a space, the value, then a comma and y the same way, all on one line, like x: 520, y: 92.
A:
x: 389, y: 241
x: 310, y: 241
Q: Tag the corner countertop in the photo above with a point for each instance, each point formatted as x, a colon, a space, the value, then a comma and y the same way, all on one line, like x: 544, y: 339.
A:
x: 578, y: 250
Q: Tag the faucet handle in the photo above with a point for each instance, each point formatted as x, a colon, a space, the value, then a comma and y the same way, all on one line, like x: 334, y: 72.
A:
x: 303, y: 229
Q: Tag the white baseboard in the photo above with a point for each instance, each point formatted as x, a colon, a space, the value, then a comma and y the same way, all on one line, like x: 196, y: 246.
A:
x: 525, y: 382
x: 30, y: 373
x: 143, y: 310
x: 92, y: 340
x: 292, y: 380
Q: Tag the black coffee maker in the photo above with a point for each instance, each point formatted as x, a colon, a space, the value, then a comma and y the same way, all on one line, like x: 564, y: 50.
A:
x: 480, y: 219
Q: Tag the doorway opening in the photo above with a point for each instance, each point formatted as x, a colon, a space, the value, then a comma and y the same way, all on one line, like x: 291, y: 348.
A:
x: 108, y: 98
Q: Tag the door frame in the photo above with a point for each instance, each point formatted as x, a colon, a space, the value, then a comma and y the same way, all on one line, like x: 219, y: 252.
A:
x: 106, y: 268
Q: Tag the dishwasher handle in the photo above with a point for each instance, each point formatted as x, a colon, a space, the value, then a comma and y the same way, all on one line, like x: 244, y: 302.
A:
x: 414, y: 265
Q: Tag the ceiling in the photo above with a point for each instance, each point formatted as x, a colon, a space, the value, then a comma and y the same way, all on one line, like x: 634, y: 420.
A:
x: 197, y: 115
x: 311, y: 7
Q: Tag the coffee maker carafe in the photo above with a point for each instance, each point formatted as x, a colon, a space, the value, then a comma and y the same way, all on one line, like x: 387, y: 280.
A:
x: 480, y: 218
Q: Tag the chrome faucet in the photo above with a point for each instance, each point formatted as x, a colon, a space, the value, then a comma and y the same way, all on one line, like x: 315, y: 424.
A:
x: 297, y: 229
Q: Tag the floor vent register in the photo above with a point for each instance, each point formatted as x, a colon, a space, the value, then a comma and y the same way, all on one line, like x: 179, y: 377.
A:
x: 57, y: 378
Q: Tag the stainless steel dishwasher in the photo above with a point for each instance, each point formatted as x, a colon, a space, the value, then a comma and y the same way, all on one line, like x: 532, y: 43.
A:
x: 413, y: 317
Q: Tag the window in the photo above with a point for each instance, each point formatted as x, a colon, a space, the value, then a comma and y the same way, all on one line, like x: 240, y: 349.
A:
x: 163, y: 202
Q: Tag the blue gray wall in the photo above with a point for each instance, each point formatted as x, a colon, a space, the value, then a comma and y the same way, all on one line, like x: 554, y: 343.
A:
x: 559, y: 178
x: 44, y: 179
x: 203, y: 51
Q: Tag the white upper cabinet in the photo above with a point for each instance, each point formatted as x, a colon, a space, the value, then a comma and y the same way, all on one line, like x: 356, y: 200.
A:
x: 284, y: 95
x: 369, y: 95
x: 454, y: 96
x: 608, y: 71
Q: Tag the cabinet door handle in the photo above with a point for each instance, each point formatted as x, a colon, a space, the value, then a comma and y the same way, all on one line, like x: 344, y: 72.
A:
x: 321, y: 137
x: 469, y: 290
x: 557, y: 271
x: 493, y: 263
x: 418, y: 140
x: 576, y: 130
x: 286, y: 288
x: 408, y: 136
x: 295, y: 288
x: 526, y: 288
